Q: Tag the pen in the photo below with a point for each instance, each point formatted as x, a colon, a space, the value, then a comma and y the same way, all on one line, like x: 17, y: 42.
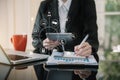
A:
x: 86, y: 37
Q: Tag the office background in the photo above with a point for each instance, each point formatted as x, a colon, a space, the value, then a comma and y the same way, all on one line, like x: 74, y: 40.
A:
x: 17, y: 17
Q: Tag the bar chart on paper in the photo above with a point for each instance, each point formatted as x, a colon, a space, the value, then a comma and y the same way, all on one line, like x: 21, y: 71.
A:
x: 69, y: 58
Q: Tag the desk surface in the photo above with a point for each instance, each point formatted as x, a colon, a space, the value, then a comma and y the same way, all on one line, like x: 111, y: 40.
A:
x: 38, y: 71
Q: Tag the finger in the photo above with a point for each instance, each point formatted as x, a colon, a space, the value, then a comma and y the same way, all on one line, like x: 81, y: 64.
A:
x: 76, y: 48
x: 79, y: 47
x: 83, y: 76
x: 51, y: 45
x: 54, y: 44
x: 84, y: 72
x: 45, y: 42
x: 48, y: 48
x: 57, y: 43
x: 76, y: 72
x: 84, y: 45
x: 48, y: 43
x: 84, y: 51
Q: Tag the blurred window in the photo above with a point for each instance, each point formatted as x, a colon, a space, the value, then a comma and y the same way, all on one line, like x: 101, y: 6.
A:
x: 112, y: 23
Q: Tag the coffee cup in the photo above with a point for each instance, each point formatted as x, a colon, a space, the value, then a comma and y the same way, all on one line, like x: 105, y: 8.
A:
x: 19, y: 42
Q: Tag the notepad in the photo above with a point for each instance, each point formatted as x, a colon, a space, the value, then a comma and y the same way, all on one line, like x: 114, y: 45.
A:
x: 70, y: 58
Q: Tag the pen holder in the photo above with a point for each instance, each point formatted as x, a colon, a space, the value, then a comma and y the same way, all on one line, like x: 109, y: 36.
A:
x: 19, y: 42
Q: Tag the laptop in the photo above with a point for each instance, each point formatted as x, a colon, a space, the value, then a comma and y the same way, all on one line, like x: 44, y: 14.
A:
x: 11, y: 57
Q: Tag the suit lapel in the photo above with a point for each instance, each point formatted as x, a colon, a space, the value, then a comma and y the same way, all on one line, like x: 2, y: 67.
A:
x: 54, y: 8
x: 73, y: 11
x: 74, y: 8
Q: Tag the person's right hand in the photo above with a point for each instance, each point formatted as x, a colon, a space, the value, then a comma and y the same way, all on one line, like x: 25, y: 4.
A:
x: 50, y: 44
x: 82, y: 73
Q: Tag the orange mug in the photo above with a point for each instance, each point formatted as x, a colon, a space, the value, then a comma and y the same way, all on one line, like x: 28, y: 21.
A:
x: 19, y: 42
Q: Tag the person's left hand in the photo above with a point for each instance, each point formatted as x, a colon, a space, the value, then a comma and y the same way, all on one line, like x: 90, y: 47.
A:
x: 85, y: 49
x: 50, y: 44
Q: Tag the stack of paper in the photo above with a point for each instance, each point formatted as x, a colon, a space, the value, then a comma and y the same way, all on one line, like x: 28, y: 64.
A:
x: 70, y: 58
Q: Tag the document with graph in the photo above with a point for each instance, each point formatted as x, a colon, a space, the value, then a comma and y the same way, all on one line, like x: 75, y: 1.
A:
x: 58, y: 58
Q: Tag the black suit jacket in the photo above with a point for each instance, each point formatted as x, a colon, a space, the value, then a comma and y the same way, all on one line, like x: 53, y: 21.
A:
x: 81, y: 21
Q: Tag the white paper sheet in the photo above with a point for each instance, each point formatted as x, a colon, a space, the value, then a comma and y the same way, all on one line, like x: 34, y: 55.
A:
x: 70, y: 58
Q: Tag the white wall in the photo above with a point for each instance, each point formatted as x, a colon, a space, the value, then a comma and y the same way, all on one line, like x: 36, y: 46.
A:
x: 3, y: 23
x: 100, y: 7
x: 17, y: 17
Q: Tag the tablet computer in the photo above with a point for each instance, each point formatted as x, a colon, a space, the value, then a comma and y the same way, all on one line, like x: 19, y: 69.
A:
x: 60, y: 36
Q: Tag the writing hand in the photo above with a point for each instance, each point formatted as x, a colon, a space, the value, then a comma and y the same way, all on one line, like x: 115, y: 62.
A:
x: 83, y: 73
x: 84, y: 49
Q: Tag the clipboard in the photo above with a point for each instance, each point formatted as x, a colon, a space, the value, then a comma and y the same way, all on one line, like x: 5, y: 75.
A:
x: 57, y: 60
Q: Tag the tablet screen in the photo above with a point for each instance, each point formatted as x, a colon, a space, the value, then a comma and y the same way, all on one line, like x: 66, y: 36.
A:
x: 16, y: 57
x: 60, y: 36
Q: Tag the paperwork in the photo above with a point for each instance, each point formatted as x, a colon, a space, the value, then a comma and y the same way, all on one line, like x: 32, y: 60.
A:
x: 67, y: 58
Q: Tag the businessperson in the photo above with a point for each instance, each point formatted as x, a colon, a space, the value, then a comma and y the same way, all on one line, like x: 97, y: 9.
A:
x: 67, y: 16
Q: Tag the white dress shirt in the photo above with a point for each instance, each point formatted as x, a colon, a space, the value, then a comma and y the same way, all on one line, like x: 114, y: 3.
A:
x: 63, y: 13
